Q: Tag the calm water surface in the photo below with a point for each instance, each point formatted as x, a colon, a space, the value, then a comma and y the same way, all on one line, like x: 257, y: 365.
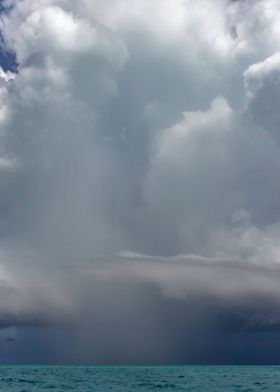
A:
x: 127, y: 379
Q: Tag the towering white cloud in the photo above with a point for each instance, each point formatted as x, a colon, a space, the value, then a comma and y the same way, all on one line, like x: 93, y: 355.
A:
x: 149, y: 127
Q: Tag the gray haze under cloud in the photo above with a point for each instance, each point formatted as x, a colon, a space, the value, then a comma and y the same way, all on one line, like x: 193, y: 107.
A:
x: 140, y: 181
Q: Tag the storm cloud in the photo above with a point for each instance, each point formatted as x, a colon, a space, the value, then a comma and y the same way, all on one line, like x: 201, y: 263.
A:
x: 140, y: 180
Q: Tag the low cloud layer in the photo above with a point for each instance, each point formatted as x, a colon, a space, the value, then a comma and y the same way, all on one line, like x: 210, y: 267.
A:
x: 139, y: 177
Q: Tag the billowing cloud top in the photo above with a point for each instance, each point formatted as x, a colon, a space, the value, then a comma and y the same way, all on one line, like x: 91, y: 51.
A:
x: 140, y: 174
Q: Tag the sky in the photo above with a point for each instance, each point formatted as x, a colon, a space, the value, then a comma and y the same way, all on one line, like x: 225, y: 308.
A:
x: 139, y: 181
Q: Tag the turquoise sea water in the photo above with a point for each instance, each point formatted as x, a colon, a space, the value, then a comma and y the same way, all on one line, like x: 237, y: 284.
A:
x: 128, y: 379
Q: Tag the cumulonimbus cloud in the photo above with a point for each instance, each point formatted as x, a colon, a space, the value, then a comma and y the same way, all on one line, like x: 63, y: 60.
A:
x: 150, y: 126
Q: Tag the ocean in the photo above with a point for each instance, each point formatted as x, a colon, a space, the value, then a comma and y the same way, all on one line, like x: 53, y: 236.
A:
x: 134, y: 378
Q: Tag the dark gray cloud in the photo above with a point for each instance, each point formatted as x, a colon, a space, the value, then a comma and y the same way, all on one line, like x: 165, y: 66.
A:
x: 139, y: 178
